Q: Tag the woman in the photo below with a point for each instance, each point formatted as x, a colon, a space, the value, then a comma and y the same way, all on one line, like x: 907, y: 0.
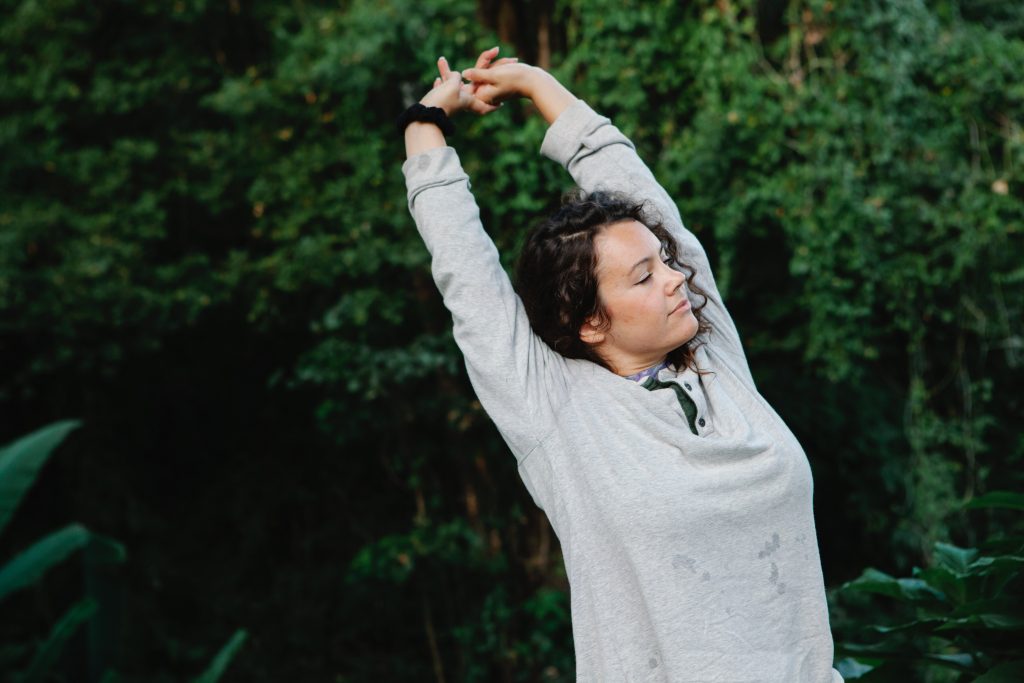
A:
x: 684, y: 516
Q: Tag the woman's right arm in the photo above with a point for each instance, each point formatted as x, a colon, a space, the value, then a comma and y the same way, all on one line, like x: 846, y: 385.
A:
x: 519, y: 380
x: 599, y: 157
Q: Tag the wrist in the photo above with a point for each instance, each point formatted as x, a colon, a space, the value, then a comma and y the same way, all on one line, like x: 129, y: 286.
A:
x: 420, y: 112
x: 535, y: 81
x: 429, y: 101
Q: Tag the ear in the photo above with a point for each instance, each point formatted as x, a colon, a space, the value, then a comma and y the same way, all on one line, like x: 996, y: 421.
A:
x: 590, y: 333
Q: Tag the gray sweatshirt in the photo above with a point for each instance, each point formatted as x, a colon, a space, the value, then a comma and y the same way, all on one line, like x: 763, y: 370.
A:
x: 690, y: 557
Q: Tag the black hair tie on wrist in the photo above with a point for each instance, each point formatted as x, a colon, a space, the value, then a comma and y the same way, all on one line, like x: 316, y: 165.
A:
x: 419, y: 112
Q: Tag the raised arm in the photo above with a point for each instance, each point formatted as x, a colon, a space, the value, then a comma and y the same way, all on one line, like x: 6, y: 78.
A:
x: 596, y: 153
x: 599, y: 157
x: 519, y: 380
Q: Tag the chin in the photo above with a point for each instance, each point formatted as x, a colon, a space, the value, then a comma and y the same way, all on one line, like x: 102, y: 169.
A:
x: 691, y: 328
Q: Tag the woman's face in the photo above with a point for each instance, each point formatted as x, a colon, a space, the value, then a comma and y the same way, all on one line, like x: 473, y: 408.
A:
x: 641, y: 297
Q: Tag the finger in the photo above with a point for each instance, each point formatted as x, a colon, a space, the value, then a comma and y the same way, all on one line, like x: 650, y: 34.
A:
x: 476, y: 75
x: 485, y: 57
x: 437, y: 82
x: 484, y: 108
x: 505, y: 60
x: 471, y: 88
x: 488, y: 94
x: 443, y: 68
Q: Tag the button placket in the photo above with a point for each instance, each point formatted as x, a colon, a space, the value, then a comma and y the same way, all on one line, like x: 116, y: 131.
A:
x: 698, y: 400
x: 686, y: 380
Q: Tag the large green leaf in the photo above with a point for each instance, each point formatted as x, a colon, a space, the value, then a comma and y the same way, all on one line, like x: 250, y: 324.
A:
x: 223, y: 659
x: 21, y: 460
x: 31, y: 564
x: 49, y: 651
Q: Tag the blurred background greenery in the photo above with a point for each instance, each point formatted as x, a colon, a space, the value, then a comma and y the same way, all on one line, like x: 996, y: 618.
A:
x: 207, y: 259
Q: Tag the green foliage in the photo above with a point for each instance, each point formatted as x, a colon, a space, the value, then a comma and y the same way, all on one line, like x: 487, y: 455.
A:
x: 20, y: 462
x: 960, y: 619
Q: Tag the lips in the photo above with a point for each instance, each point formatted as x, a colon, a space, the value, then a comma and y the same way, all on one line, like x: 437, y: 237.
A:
x: 683, y: 305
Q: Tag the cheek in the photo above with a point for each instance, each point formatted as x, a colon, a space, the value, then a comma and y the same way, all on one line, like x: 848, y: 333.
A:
x: 630, y: 309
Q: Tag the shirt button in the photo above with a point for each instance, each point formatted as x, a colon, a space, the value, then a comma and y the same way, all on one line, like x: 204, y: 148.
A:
x: 701, y: 422
x: 688, y: 387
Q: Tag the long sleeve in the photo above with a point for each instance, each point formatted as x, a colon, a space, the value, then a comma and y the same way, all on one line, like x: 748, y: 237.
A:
x: 519, y: 380
x: 599, y: 157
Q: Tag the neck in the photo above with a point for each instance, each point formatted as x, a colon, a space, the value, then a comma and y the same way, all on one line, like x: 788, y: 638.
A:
x: 628, y: 367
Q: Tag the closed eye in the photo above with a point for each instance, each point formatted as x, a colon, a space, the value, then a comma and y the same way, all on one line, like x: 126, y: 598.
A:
x: 667, y: 261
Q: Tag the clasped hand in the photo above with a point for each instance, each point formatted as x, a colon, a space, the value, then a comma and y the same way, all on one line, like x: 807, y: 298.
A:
x: 491, y: 83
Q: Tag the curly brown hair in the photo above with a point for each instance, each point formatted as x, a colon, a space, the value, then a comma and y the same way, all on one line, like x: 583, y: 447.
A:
x: 556, y: 274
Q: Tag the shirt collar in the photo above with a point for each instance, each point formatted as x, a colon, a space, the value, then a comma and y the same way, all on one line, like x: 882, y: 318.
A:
x: 649, y: 372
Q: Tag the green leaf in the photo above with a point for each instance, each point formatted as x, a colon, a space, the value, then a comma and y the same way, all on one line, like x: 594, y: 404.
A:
x: 954, y: 586
x: 852, y: 669
x: 21, y: 460
x: 919, y: 625
x: 998, y: 499
x: 961, y: 661
x: 874, y: 581
x: 223, y: 659
x: 1007, y: 622
x: 1000, y: 570
x: 957, y: 560
x: 1010, y: 672
x: 883, y: 650
x: 49, y: 651
x: 31, y: 564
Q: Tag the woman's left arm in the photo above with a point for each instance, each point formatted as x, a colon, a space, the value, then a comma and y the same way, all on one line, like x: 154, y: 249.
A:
x: 519, y: 380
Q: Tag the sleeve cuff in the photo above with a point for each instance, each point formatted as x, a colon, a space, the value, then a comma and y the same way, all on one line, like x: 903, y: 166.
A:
x: 563, y: 136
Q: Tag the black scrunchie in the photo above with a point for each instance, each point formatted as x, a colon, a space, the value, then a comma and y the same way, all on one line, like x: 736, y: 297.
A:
x: 419, y: 112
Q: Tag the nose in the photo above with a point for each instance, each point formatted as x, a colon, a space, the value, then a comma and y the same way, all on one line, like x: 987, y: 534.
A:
x: 675, y: 280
